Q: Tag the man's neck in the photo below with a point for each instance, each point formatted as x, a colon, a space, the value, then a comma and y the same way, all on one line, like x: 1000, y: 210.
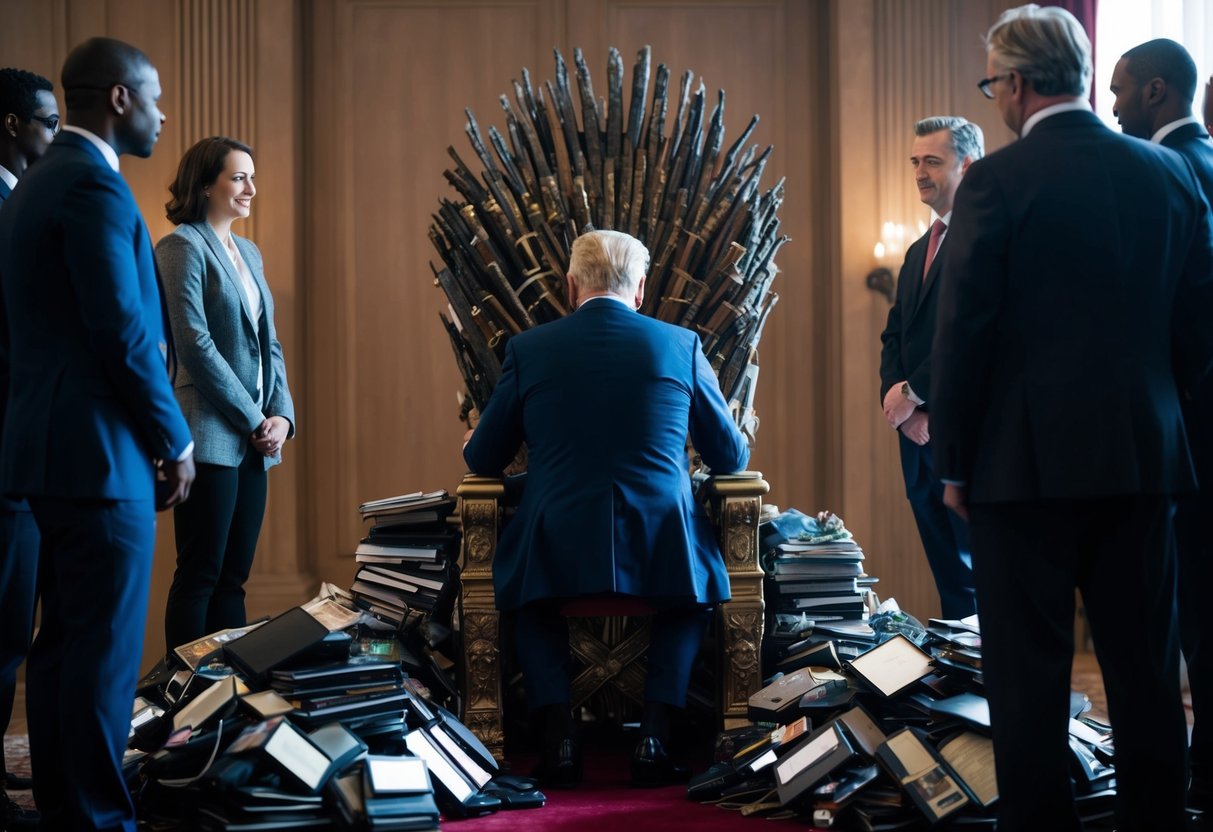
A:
x: 12, y: 160
x: 1164, y: 117
x: 98, y: 125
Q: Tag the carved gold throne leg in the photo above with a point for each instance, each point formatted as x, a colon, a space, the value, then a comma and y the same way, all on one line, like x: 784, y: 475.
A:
x: 737, y: 502
x: 479, y: 509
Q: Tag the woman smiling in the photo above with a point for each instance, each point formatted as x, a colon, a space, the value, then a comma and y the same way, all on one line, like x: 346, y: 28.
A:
x: 231, y: 385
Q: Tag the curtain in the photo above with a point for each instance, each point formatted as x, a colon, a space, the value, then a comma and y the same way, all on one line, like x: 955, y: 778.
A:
x: 1084, y: 11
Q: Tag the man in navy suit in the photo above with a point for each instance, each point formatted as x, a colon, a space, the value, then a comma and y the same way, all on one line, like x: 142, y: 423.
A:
x: 943, y: 149
x: 1154, y: 84
x: 91, y: 414
x: 1080, y: 274
x: 604, y: 400
x: 29, y: 120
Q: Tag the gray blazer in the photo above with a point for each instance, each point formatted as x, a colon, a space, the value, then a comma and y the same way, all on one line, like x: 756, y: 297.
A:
x: 217, y: 350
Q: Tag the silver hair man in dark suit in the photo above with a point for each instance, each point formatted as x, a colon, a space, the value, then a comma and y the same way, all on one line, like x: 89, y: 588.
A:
x: 1080, y: 272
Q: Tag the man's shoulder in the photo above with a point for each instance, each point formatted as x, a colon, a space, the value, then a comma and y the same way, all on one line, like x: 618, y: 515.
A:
x: 572, y: 327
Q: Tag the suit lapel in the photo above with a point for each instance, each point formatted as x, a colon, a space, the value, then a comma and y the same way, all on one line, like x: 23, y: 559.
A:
x: 225, y: 263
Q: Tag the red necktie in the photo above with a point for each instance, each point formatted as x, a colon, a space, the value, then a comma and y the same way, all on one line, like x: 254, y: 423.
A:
x: 937, y: 229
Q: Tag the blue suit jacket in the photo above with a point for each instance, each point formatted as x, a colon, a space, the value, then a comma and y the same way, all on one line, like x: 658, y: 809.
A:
x: 90, y: 401
x: 604, y: 400
x: 1080, y: 265
x: 219, y: 349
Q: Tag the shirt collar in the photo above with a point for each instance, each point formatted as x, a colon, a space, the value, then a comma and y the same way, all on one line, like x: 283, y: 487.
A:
x: 1052, y: 110
x: 615, y: 298
x: 8, y: 177
x: 108, y: 152
x: 1168, y: 129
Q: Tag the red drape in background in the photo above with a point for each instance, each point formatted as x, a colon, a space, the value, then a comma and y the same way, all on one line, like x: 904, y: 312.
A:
x: 1084, y: 11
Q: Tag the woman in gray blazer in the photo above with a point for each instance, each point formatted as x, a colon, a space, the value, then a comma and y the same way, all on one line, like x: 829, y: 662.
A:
x: 231, y: 385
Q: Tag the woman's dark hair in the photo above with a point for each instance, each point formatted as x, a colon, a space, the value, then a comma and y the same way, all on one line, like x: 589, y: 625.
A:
x: 199, y: 168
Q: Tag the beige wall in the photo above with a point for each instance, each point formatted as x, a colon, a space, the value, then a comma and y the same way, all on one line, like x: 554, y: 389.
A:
x: 351, y: 105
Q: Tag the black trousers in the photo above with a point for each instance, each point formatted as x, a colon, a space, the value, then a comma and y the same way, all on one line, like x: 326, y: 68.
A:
x: 945, y: 536
x: 18, y: 573
x: 542, y: 640
x: 1119, y: 553
x: 216, y: 532
x: 1194, y: 537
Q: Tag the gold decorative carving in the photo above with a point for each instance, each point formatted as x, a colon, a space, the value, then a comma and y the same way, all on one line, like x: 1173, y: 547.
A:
x: 480, y: 652
x: 487, y: 728
x: 742, y: 641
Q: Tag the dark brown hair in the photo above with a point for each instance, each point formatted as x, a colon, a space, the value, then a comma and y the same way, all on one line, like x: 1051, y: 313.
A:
x: 199, y: 168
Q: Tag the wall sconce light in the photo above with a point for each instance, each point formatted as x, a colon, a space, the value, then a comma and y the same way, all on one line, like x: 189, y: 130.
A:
x: 887, y: 253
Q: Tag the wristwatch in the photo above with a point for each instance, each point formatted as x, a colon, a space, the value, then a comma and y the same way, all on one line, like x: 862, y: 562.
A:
x: 905, y: 389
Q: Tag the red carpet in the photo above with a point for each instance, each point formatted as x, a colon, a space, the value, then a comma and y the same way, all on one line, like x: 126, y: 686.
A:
x: 605, y: 802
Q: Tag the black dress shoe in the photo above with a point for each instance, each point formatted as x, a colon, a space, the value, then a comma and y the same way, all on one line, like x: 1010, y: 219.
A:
x: 14, y: 817
x: 560, y: 766
x: 652, y: 766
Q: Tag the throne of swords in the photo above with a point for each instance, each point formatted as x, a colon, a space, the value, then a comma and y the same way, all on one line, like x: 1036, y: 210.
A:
x: 658, y: 169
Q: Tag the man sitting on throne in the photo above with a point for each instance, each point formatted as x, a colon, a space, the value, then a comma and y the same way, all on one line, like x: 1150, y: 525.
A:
x: 604, y: 400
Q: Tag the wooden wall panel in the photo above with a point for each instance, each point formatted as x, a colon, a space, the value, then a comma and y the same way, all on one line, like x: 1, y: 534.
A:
x: 390, y: 82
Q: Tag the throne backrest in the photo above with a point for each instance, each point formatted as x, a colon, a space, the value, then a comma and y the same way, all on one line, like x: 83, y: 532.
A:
x: 712, y: 235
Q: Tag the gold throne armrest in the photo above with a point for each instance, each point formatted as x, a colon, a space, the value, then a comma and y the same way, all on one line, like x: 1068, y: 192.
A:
x: 735, y: 503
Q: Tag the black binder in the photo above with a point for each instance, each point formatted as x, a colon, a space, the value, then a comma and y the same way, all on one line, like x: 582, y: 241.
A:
x: 275, y: 643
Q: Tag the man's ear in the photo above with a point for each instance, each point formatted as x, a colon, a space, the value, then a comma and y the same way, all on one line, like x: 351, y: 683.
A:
x: 10, y: 124
x: 1156, y: 91
x: 640, y: 292
x: 120, y: 99
x: 572, y: 286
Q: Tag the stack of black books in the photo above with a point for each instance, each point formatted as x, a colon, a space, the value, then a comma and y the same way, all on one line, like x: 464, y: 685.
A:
x: 366, y: 694
x: 406, y: 561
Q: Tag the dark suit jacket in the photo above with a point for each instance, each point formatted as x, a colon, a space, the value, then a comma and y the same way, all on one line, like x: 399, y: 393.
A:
x: 1079, y: 259
x: 90, y: 402
x: 1193, y: 143
x: 905, y: 353
x: 604, y: 400
x: 6, y: 504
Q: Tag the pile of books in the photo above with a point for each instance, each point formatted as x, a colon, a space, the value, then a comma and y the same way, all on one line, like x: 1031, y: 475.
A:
x: 814, y: 576
x: 885, y: 727
x: 406, y: 561
x: 310, y: 719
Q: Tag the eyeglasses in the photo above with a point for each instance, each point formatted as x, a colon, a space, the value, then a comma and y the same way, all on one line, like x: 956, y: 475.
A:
x: 51, y: 123
x: 984, y: 84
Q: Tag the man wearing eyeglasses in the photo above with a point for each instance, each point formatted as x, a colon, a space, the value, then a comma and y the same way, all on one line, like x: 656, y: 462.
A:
x: 1079, y: 275
x: 1155, y: 84
x: 29, y: 119
x: 90, y: 417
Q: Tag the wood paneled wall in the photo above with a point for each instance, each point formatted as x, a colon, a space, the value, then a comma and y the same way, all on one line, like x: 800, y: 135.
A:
x: 351, y: 105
